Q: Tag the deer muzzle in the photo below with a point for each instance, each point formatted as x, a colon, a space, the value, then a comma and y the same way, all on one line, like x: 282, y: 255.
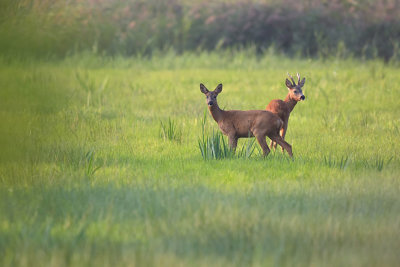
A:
x: 302, y: 97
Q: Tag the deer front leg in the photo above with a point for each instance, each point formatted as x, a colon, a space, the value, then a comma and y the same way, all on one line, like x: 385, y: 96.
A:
x: 273, y: 145
x: 263, y: 143
x: 233, y: 142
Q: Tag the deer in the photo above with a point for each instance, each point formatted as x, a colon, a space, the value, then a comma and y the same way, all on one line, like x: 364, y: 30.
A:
x: 283, y: 108
x: 243, y: 124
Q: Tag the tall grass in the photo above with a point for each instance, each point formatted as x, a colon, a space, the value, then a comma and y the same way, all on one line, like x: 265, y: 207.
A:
x: 378, y: 163
x: 90, y: 166
x: 214, y: 145
x: 170, y: 131
x: 248, y: 149
x: 341, y: 162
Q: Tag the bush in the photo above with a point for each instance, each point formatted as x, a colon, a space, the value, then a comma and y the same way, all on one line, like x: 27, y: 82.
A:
x: 136, y: 27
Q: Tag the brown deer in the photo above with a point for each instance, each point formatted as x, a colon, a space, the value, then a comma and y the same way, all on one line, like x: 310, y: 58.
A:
x: 241, y: 124
x: 282, y: 108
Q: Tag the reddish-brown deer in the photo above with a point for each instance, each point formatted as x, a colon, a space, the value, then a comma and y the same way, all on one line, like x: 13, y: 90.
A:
x: 282, y: 108
x: 242, y: 124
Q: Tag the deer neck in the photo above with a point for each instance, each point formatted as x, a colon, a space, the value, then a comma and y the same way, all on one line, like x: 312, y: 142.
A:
x: 216, y: 112
x: 291, y: 103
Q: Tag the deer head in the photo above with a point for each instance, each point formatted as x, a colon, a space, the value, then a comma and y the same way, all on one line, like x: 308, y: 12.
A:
x: 211, y: 96
x: 295, y: 91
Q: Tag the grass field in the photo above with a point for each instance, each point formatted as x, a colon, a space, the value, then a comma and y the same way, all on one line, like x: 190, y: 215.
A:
x: 87, y: 177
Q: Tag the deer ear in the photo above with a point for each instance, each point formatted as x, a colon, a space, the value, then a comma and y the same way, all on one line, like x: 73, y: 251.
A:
x: 203, y: 89
x: 288, y: 84
x: 218, y: 89
x: 301, y: 84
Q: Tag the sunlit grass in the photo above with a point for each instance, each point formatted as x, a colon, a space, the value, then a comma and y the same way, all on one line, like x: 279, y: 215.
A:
x: 86, y: 178
x: 170, y: 131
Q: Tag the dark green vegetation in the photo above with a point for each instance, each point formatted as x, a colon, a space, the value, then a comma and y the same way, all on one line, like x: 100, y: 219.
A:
x: 324, y: 29
x: 89, y: 176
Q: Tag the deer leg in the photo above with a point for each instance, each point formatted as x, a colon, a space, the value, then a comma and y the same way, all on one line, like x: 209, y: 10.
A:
x: 263, y: 143
x: 273, y: 145
x: 283, y: 133
x: 283, y: 144
x: 233, y: 142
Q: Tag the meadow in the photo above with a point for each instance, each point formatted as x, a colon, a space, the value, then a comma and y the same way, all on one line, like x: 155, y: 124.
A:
x: 88, y: 176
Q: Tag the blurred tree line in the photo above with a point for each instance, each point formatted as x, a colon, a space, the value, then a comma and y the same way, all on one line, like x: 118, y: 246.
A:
x: 312, y: 28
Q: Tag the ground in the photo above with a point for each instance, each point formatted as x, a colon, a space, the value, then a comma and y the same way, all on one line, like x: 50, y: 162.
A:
x: 87, y: 177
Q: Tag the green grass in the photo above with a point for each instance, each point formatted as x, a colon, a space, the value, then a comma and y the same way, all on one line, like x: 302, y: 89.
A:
x: 86, y: 179
x: 170, y: 131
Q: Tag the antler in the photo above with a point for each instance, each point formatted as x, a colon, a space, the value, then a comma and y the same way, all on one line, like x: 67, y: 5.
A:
x: 290, y: 76
x: 298, y: 78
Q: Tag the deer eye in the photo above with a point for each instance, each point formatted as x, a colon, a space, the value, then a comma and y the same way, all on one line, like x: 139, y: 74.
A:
x: 295, y: 91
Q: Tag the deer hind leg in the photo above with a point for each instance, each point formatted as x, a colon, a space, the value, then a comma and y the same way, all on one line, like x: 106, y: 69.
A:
x: 283, y: 144
x: 280, y: 132
x: 263, y: 143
